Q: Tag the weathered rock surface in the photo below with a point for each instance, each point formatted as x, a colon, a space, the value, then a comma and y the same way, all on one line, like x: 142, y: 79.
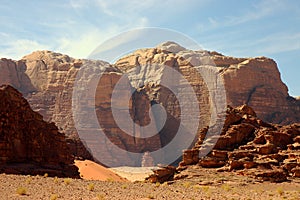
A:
x: 46, y: 79
x: 28, y: 144
x: 162, y: 174
x: 246, y: 80
x: 13, y: 73
x: 266, y: 151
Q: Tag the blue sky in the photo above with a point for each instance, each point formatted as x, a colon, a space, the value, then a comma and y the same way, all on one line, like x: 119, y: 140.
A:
x: 237, y: 28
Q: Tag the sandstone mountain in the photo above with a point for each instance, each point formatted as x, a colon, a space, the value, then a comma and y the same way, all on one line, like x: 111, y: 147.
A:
x: 47, y: 80
x: 29, y: 145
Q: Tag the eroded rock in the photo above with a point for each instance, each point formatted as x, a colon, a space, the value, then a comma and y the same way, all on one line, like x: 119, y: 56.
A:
x: 28, y: 144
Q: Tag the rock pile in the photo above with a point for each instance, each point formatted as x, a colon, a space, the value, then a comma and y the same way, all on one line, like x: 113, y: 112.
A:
x: 29, y: 145
x: 250, y: 146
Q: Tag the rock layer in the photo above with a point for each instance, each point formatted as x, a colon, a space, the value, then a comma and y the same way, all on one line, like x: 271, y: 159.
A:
x: 27, y: 143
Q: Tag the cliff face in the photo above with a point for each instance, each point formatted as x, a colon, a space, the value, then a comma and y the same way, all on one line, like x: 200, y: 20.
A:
x: 252, y: 81
x: 46, y: 80
x: 257, y: 83
x: 13, y: 73
x: 26, y: 139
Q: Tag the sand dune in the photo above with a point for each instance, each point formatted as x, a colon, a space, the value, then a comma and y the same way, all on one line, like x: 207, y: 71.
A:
x: 92, y: 171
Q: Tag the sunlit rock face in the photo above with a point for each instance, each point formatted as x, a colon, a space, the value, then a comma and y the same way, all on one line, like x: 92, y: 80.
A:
x: 47, y: 80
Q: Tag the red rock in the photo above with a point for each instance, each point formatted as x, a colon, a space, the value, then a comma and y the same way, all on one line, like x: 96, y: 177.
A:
x: 162, y: 175
x: 259, y: 151
x: 271, y: 175
x: 296, y: 172
x: 27, y: 143
x: 223, y: 155
x: 249, y: 164
x: 235, y: 135
x: 235, y: 164
x: 190, y: 156
x: 266, y: 149
x: 210, y: 162
x: 237, y: 154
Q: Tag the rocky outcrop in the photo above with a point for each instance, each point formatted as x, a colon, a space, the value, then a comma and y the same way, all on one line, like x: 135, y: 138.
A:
x: 162, y: 174
x: 259, y: 149
x: 249, y: 81
x: 29, y: 145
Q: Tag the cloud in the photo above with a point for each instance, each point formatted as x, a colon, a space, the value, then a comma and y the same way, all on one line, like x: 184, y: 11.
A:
x: 279, y: 42
x: 85, y: 43
x: 16, y: 49
x: 254, y: 12
x: 257, y: 11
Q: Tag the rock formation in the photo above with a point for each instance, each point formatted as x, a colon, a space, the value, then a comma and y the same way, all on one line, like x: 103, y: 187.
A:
x: 47, y: 79
x: 251, y: 146
x: 13, y: 73
x: 247, y: 80
x: 29, y: 145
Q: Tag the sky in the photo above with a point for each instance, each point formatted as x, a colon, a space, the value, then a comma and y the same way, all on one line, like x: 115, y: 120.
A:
x: 236, y: 28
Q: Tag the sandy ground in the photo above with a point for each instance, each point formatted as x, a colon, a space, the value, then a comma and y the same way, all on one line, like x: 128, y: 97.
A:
x: 203, y: 184
x: 134, y: 173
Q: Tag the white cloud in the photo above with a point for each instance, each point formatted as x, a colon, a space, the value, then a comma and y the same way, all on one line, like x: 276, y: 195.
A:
x: 16, y: 49
x: 279, y: 42
x: 85, y: 43
x: 252, y: 13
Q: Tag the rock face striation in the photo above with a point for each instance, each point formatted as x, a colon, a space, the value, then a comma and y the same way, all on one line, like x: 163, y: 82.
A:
x: 29, y: 145
x: 246, y: 80
x: 47, y: 80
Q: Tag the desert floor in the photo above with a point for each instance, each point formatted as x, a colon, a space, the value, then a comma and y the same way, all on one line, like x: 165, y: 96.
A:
x: 202, y: 184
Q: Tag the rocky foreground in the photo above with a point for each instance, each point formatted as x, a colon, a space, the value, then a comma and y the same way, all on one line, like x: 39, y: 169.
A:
x: 208, y: 184
x: 247, y: 146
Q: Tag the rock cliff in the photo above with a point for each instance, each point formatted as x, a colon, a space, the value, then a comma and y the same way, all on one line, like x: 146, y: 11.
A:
x: 29, y: 145
x: 246, y: 80
x: 46, y: 80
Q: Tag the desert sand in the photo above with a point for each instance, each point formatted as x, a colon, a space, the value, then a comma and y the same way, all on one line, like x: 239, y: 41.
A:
x: 90, y: 170
x: 205, y: 184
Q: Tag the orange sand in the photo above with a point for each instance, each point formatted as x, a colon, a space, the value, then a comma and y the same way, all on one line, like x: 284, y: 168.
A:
x: 92, y: 171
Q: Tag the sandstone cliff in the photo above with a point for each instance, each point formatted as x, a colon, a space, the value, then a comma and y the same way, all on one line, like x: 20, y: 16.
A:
x: 252, y: 81
x: 28, y: 144
x: 13, y: 73
x: 46, y: 79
